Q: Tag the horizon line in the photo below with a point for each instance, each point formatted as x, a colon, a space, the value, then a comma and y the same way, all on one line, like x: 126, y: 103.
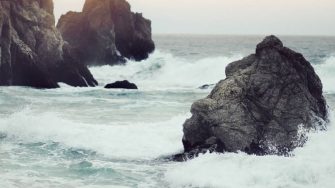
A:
x: 239, y: 34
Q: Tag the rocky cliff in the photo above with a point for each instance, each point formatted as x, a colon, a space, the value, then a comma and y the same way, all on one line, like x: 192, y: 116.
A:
x: 106, y: 32
x: 263, y: 106
x: 32, y: 51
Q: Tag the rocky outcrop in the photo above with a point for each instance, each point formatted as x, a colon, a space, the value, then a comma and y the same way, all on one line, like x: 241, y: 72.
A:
x: 121, y: 85
x: 32, y: 51
x: 261, y: 107
x: 106, y: 32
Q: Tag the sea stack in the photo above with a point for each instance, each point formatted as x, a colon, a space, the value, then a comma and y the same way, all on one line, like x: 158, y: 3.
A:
x: 264, y: 105
x: 32, y: 51
x: 106, y: 32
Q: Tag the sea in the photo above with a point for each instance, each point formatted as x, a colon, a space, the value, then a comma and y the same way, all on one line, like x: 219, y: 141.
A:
x: 98, y: 138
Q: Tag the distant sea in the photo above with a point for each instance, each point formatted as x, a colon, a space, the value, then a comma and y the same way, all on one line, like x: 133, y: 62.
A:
x: 93, y: 137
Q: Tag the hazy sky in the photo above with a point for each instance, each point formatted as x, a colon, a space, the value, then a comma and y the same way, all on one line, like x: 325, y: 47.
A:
x: 285, y: 17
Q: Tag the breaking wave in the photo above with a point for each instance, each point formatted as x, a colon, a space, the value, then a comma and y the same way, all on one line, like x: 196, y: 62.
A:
x: 165, y: 71
x: 311, y: 166
x: 326, y: 71
x: 133, y: 140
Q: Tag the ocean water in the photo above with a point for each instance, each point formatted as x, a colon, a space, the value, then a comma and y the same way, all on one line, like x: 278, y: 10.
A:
x: 93, y: 137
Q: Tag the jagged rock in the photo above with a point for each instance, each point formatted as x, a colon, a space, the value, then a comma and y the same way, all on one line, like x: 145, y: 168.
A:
x: 32, y: 52
x: 121, y: 85
x: 106, y: 32
x: 260, y: 107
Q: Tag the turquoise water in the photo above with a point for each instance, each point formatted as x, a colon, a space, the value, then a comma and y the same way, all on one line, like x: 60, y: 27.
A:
x: 93, y: 137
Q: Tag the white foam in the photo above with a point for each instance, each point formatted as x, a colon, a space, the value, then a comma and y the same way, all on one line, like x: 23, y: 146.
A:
x: 326, y: 71
x: 312, y: 166
x: 134, y: 140
x: 164, y: 71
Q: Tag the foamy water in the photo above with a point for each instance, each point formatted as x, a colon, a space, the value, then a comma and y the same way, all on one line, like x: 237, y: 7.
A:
x: 311, y: 166
x: 164, y: 71
x: 114, y: 140
x: 93, y: 137
x: 326, y: 71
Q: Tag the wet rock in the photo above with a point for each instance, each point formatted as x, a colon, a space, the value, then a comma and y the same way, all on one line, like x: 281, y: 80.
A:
x: 32, y: 51
x: 262, y: 107
x: 206, y: 86
x: 107, y: 32
x: 121, y: 85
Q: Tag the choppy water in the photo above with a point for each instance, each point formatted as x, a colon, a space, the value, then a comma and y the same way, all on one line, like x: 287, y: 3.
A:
x: 92, y: 137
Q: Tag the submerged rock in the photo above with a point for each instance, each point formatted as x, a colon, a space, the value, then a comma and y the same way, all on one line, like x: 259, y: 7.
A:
x: 121, y: 85
x: 260, y: 108
x: 32, y: 51
x: 106, y: 32
x: 207, y: 86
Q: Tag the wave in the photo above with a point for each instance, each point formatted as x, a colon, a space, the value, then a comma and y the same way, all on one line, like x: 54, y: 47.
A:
x: 129, y: 141
x: 165, y: 71
x: 326, y: 71
x: 309, y: 167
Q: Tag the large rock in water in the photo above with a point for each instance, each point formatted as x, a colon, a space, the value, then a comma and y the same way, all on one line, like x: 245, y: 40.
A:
x: 106, y: 32
x: 261, y: 107
x: 32, y: 51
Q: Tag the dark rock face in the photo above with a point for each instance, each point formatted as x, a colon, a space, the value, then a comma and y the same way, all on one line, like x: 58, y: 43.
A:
x: 121, y: 85
x: 106, y: 32
x: 260, y: 107
x: 32, y: 51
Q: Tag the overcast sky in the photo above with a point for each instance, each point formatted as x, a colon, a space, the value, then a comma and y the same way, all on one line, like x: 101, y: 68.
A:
x: 282, y: 17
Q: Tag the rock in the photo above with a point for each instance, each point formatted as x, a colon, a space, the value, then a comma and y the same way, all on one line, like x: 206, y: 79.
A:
x: 206, y: 86
x: 107, y: 32
x: 32, y: 51
x: 263, y: 106
x: 121, y: 85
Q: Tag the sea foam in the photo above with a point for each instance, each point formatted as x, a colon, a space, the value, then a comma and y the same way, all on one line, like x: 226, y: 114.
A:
x: 133, y: 140
x: 309, y: 167
x: 165, y: 71
x: 326, y: 72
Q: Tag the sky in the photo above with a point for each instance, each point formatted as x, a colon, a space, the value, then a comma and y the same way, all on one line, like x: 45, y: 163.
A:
x: 236, y: 17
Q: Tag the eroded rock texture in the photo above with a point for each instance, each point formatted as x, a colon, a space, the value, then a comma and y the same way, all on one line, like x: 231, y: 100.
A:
x: 106, y: 32
x: 32, y: 51
x: 262, y: 105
